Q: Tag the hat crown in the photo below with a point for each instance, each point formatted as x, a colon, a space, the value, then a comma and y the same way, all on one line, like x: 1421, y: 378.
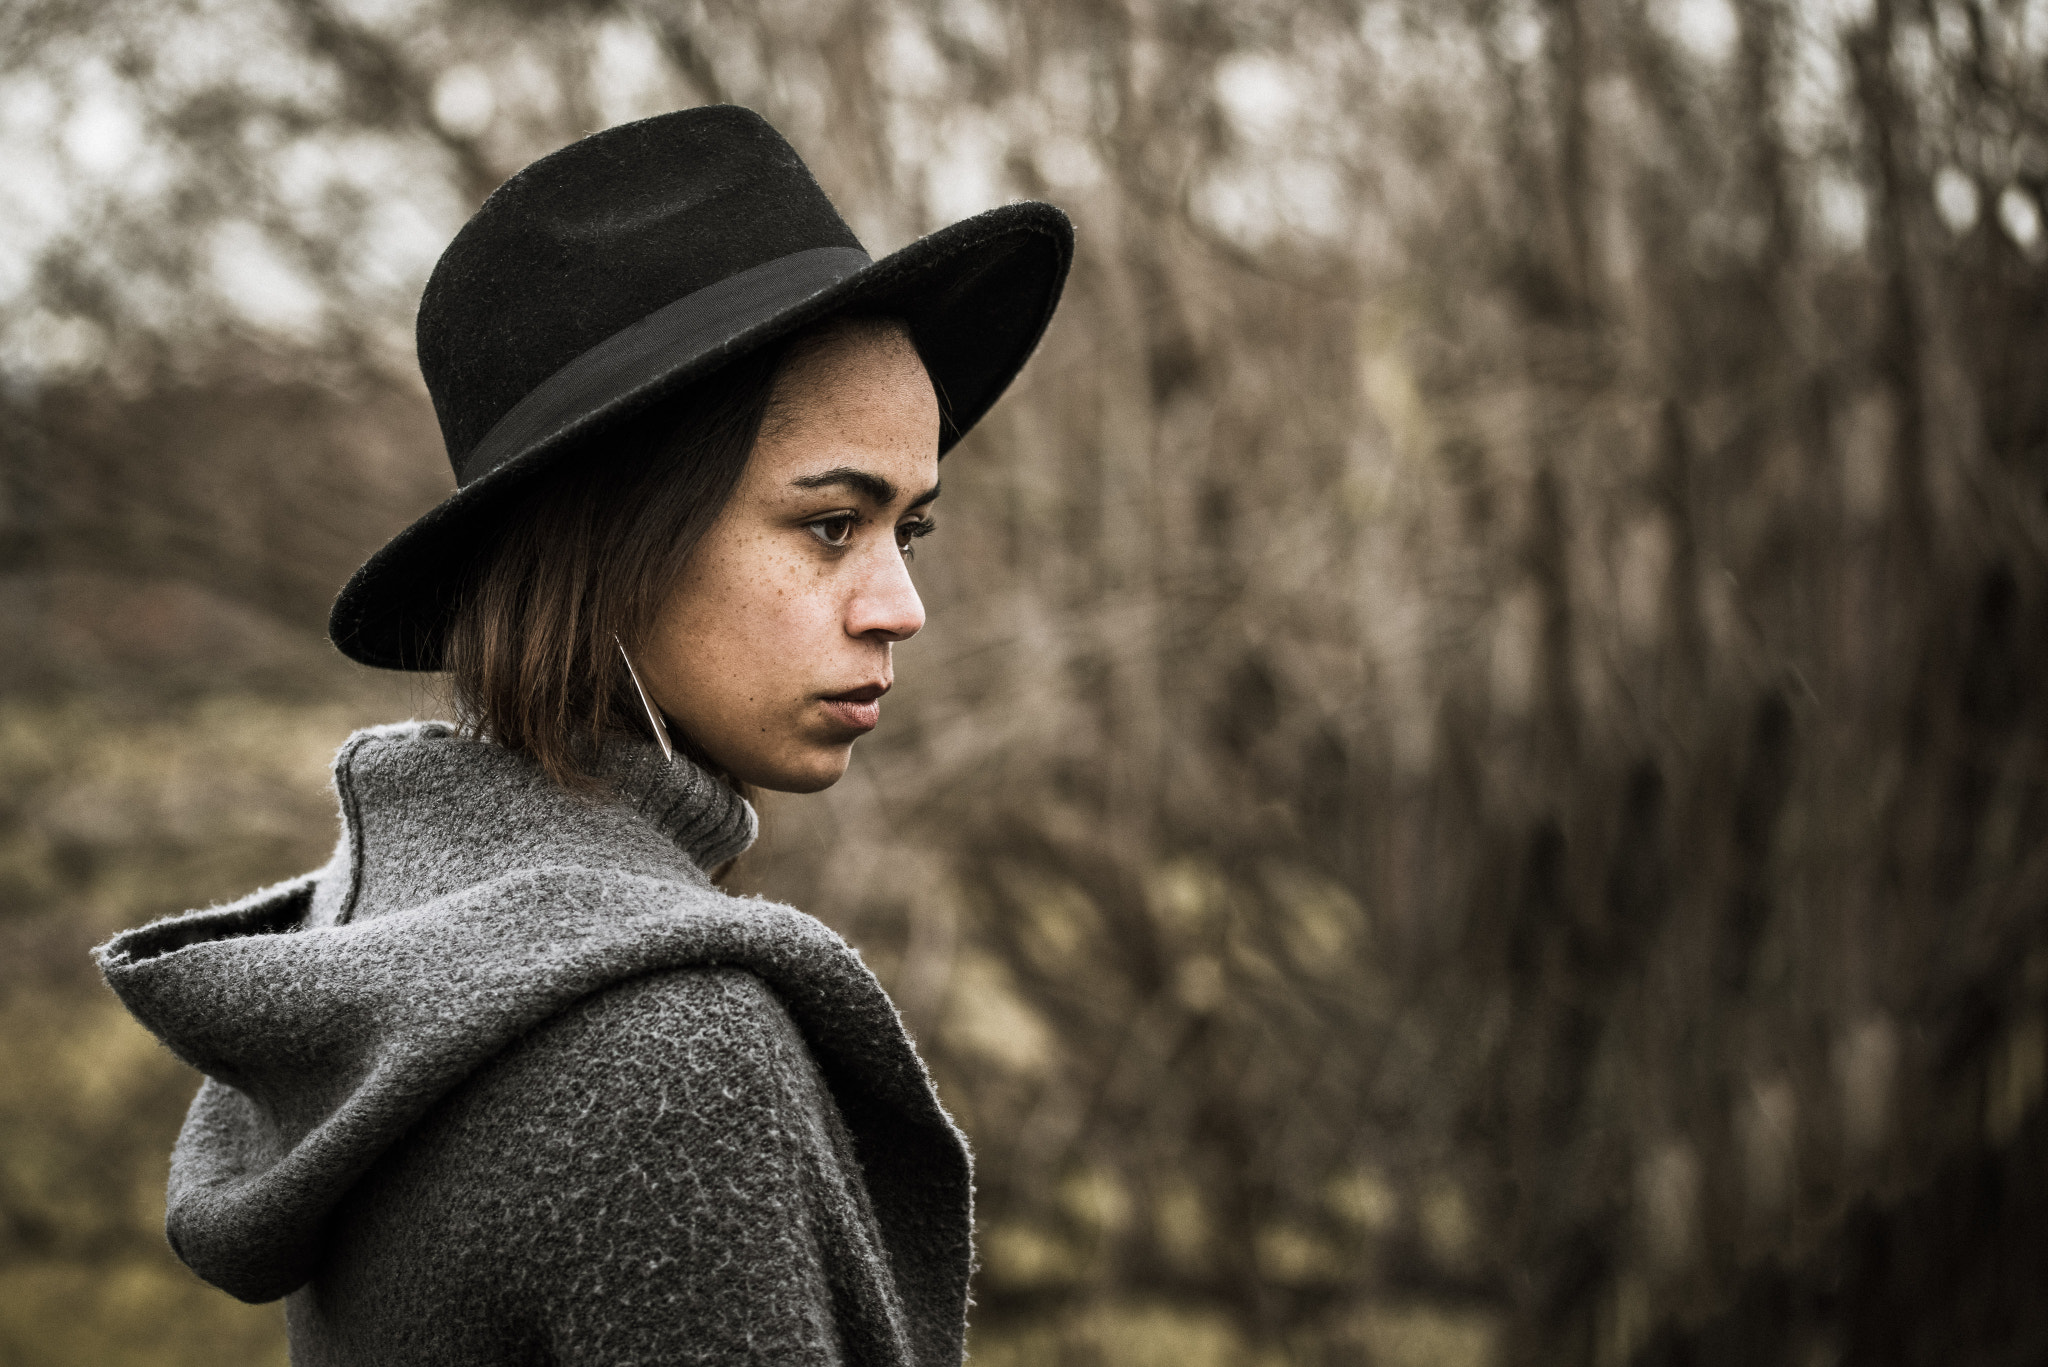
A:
x: 588, y: 241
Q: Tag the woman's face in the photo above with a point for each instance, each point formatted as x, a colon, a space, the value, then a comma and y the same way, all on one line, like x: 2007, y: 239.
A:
x: 772, y: 653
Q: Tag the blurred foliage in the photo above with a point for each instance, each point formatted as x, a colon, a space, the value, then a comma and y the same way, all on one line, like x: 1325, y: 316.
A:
x: 1474, y: 792
x: 109, y: 819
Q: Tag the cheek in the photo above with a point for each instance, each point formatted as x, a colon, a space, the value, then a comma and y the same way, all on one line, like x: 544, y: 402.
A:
x: 744, y: 621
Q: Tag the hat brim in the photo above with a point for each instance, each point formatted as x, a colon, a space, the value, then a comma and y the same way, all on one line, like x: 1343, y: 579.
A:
x: 977, y: 297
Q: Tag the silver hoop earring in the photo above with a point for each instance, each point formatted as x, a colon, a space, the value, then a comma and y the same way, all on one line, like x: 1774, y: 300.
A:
x: 660, y: 727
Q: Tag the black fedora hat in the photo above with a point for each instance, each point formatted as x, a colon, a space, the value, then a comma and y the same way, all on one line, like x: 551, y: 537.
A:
x: 608, y: 276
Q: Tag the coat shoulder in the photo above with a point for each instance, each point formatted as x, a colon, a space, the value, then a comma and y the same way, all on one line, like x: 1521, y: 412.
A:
x: 703, y: 1059
x: 662, y: 1153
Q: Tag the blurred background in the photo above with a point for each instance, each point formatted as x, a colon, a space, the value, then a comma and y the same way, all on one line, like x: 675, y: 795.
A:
x: 1475, y: 790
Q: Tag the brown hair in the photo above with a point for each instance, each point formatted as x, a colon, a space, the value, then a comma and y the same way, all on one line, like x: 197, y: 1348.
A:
x: 587, y: 554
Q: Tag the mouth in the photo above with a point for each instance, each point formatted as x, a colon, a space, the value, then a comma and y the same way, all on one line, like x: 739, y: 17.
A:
x: 857, y: 709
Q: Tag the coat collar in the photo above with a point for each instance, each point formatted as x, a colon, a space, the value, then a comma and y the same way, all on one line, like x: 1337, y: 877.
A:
x: 427, y: 811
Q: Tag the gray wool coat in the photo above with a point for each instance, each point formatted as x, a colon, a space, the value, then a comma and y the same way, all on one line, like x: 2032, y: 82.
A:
x: 510, y: 1082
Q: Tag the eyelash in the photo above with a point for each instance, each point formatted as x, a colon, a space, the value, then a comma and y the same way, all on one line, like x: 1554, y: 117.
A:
x: 906, y: 533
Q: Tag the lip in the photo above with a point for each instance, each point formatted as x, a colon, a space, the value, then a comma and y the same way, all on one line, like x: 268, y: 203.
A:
x: 858, y: 709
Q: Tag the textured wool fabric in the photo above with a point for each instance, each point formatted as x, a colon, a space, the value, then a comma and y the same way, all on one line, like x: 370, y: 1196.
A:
x: 509, y: 1081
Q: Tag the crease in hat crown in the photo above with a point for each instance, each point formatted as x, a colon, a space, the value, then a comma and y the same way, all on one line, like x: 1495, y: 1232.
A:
x: 610, y: 275
x: 617, y: 225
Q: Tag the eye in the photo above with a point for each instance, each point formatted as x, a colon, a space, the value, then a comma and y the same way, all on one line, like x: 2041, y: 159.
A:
x: 835, y: 531
x: 908, y: 532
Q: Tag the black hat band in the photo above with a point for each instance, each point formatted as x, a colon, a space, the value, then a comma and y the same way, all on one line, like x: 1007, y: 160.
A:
x: 696, y: 325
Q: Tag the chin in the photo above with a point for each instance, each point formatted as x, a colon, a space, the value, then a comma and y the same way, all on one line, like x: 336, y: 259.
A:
x: 809, y: 774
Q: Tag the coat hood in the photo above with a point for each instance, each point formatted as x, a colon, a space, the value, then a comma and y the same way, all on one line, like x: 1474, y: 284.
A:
x: 469, y: 900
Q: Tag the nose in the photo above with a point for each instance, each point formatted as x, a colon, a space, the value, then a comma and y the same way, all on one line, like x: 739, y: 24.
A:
x: 885, y: 605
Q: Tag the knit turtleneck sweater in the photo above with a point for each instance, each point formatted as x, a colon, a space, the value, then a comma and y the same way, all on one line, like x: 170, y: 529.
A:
x: 509, y: 1081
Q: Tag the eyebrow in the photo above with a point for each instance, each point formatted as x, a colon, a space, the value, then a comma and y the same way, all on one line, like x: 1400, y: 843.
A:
x: 866, y: 483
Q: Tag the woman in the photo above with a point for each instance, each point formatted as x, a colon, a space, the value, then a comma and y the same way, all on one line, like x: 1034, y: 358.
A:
x: 510, y: 1080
